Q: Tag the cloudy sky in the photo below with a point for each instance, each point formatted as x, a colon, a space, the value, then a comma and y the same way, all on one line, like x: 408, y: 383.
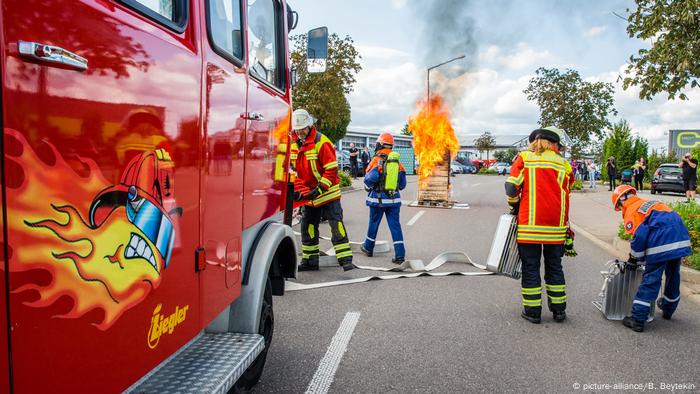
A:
x: 505, y: 42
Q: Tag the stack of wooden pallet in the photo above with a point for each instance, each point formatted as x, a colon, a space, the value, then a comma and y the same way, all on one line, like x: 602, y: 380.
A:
x: 436, y: 188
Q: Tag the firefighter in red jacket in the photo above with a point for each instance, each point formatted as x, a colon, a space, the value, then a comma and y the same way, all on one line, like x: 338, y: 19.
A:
x: 317, y: 183
x: 538, y: 190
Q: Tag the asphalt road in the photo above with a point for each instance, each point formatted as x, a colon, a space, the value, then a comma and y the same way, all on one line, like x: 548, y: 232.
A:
x: 464, y: 334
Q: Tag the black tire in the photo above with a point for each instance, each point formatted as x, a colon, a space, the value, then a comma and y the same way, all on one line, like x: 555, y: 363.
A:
x: 267, y: 327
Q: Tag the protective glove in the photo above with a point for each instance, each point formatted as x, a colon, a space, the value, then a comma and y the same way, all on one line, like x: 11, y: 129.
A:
x: 298, y: 196
x: 632, y: 260
x: 314, y: 193
x: 515, y: 208
x: 569, y: 244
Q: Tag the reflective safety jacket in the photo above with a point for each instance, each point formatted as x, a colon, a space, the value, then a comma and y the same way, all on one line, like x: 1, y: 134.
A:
x: 375, y: 198
x: 658, y: 233
x: 315, y: 164
x: 540, y: 184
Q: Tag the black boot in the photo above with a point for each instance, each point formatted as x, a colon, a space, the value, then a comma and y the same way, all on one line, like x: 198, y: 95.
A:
x: 559, y: 316
x: 307, y: 265
x: 531, y: 317
x: 629, y: 322
x: 659, y: 304
x: 369, y: 253
x: 398, y: 260
x: 347, y: 265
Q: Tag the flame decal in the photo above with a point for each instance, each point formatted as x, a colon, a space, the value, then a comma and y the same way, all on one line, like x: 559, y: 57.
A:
x: 433, y: 135
x: 47, y: 222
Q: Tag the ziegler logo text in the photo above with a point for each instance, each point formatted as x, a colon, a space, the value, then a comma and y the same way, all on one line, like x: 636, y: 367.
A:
x: 165, y: 324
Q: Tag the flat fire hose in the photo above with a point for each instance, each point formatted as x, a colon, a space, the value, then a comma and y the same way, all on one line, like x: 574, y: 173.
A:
x: 409, y: 269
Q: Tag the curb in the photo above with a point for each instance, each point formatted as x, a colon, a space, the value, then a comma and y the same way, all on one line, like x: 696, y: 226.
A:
x: 690, y: 279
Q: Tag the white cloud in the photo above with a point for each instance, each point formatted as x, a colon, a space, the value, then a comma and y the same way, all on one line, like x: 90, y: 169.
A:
x: 594, y: 31
x: 399, y: 3
x: 522, y: 56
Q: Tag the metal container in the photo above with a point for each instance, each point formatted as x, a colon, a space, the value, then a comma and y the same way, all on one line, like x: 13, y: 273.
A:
x: 620, y: 284
x: 504, y: 258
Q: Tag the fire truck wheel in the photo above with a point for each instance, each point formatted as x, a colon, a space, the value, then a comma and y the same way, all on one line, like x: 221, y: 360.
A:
x: 267, y: 327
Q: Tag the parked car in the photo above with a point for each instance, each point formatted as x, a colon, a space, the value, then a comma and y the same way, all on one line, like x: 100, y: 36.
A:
x: 458, y: 168
x: 343, y: 158
x: 667, y: 178
x: 471, y: 169
x: 501, y: 168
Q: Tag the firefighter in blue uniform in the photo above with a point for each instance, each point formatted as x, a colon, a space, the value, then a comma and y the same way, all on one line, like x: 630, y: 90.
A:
x: 660, y: 240
x: 384, y: 178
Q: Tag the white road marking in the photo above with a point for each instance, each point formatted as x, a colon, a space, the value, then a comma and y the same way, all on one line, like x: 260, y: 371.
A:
x: 325, y: 373
x: 476, y: 184
x: 415, y: 218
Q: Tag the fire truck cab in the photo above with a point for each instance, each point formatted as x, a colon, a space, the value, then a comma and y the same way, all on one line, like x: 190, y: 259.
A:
x: 144, y: 192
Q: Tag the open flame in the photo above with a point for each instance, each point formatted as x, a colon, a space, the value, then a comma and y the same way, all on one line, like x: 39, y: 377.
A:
x: 433, y: 135
x: 96, y: 266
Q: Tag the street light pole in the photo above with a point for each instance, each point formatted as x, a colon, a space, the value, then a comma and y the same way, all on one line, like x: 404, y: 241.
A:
x: 436, y: 66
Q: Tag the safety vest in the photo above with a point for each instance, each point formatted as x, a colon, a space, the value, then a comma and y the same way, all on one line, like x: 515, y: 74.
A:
x: 659, y: 233
x: 315, y: 163
x: 544, y: 182
x: 635, y: 210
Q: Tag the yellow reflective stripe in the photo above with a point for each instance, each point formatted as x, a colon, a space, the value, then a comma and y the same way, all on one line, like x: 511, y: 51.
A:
x: 552, y: 166
x: 326, y: 182
x: 310, y: 247
x: 544, y: 229
x: 332, y: 193
x: 531, y: 291
x: 342, y: 246
x: 553, y: 237
x: 557, y: 300
x: 517, y: 181
x: 312, y: 164
x: 513, y: 199
x: 532, y: 189
x: 341, y: 230
x: 342, y: 255
x: 532, y: 302
x: 311, y: 231
x: 332, y: 164
x: 556, y: 287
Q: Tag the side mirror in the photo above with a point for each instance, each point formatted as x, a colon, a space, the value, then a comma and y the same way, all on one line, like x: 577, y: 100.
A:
x: 292, y: 18
x: 317, y: 50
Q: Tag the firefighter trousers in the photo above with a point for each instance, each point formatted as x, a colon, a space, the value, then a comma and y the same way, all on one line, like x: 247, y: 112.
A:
x: 649, y: 289
x: 310, y: 220
x: 530, y: 255
x: 392, y: 217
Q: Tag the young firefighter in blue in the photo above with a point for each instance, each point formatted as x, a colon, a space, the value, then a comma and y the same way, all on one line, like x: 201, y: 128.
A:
x: 384, y: 179
x: 660, y: 240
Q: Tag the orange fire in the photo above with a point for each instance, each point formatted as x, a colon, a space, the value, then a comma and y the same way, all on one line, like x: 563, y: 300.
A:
x: 48, y: 231
x: 433, y: 135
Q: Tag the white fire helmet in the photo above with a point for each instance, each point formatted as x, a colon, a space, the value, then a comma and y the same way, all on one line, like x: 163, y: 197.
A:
x: 301, y: 119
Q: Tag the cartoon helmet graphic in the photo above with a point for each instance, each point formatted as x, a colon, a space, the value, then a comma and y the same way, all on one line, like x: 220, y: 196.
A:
x: 146, y: 179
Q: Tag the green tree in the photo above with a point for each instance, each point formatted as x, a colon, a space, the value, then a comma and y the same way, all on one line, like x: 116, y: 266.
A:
x: 405, y: 130
x: 626, y: 149
x: 324, y: 94
x: 579, y: 107
x: 673, y: 61
x: 506, y: 156
x: 485, y: 142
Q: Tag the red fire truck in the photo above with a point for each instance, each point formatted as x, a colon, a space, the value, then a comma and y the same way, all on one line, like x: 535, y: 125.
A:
x: 144, y: 193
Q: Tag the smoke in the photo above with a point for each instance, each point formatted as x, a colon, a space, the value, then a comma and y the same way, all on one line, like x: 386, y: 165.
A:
x: 448, y: 31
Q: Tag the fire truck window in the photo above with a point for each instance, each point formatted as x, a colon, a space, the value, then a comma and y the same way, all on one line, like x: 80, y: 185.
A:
x: 162, y: 7
x: 263, y: 39
x: 224, y: 17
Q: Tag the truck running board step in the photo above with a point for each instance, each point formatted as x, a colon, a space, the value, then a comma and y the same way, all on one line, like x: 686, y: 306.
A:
x: 212, y: 363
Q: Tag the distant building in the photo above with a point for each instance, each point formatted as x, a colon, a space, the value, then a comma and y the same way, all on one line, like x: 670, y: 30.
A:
x: 403, y: 144
x: 503, y: 142
x: 683, y: 141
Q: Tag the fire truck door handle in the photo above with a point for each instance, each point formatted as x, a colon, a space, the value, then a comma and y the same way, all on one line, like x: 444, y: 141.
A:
x: 253, y: 116
x: 51, y: 54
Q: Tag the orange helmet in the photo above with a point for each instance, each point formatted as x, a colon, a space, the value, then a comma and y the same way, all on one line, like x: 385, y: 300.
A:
x: 386, y: 139
x: 620, y: 194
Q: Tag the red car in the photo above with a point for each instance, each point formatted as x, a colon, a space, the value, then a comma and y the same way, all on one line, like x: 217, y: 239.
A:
x: 145, y: 188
